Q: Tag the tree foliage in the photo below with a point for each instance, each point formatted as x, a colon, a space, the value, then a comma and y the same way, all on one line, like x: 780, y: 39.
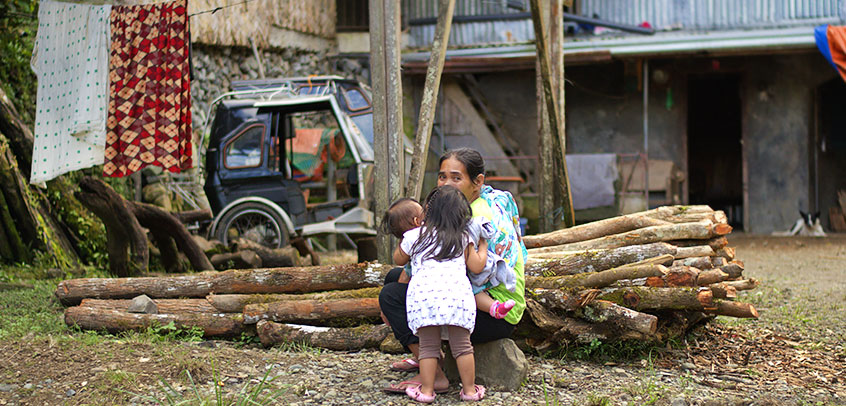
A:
x: 18, y: 25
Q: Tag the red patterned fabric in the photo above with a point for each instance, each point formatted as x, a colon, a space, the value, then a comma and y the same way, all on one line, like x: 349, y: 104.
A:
x: 149, y: 89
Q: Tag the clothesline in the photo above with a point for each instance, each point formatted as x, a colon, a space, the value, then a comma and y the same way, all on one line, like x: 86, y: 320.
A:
x: 129, y: 2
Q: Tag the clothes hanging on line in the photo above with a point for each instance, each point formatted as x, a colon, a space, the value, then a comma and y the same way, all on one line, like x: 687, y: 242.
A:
x: 70, y: 59
x: 149, y: 120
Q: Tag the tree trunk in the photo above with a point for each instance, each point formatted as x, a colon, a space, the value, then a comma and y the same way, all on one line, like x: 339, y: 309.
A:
x: 733, y: 309
x: 336, y: 339
x: 191, y: 216
x: 234, y: 303
x: 236, y: 260
x: 115, y: 321
x: 164, y: 223
x: 595, y: 279
x: 337, y: 311
x: 20, y: 137
x: 589, y: 231
x: 701, y: 230
x: 278, y: 280
x: 165, y: 306
x: 647, y: 298
x: 569, y: 263
x: 123, y: 231
x: 600, y: 311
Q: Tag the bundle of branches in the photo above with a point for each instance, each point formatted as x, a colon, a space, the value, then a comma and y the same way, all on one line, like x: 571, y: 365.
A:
x: 646, y: 276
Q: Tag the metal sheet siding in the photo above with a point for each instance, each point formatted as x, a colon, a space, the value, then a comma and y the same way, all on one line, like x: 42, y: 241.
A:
x: 476, y: 33
x: 714, y: 14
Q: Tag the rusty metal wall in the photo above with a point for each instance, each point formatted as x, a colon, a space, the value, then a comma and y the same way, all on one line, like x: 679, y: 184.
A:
x: 714, y: 14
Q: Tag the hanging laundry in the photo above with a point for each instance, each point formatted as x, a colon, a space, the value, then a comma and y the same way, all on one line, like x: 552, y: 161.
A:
x: 70, y: 58
x: 150, y: 97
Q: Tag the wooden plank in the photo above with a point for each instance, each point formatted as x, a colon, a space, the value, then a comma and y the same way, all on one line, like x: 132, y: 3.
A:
x: 553, y: 108
x: 430, y: 98
x: 387, y: 110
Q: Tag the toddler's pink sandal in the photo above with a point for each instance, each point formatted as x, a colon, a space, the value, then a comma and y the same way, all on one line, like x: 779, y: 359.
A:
x: 414, y: 393
x: 480, y: 394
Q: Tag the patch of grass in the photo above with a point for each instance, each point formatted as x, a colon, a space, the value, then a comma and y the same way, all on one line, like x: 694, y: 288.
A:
x: 599, y: 351
x: 31, y: 312
x: 299, y: 346
x: 254, y: 392
x: 594, y: 400
x: 647, y: 391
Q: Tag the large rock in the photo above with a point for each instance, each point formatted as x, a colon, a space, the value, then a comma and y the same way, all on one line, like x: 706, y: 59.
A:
x: 143, y: 304
x: 499, y: 365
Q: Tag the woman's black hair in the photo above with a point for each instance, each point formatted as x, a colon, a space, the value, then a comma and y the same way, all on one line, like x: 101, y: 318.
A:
x: 470, y: 158
x: 447, y: 214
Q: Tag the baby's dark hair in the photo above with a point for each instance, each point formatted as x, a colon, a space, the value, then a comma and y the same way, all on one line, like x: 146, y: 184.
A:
x: 400, y: 217
x: 447, y: 215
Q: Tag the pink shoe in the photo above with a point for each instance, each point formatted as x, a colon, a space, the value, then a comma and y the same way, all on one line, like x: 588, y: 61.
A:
x: 480, y: 394
x: 414, y: 393
x: 499, y: 310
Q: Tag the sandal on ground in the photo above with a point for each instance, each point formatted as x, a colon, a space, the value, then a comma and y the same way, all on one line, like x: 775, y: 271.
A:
x: 402, y: 386
x: 480, y: 394
x: 406, y: 365
x: 415, y: 393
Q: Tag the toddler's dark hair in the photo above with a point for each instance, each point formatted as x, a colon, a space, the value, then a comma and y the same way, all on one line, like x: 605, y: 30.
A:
x: 400, y: 217
x: 446, y: 219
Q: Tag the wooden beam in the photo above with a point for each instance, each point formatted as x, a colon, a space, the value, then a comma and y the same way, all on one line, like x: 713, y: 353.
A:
x: 556, y: 129
x: 387, y: 110
x: 430, y: 98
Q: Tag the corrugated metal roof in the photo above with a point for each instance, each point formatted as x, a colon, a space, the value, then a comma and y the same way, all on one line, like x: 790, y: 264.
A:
x: 475, y: 33
x: 715, y: 14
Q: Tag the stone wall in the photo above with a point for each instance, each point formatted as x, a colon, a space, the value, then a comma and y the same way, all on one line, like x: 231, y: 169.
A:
x: 215, y: 67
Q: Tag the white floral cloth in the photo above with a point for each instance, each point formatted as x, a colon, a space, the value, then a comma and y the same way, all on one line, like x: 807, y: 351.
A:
x: 439, y: 293
x: 71, y: 60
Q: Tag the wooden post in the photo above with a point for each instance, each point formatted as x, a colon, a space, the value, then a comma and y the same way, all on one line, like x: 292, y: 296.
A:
x: 546, y: 159
x: 430, y: 98
x: 387, y: 110
x: 551, y: 101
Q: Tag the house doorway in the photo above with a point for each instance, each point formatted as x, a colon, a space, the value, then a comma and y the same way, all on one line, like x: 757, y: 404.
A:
x: 828, y: 162
x: 714, y: 134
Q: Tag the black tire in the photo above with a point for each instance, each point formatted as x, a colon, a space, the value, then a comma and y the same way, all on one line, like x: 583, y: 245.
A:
x: 255, y: 222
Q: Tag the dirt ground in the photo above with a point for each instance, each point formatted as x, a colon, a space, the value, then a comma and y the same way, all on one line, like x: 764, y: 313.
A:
x: 793, y: 355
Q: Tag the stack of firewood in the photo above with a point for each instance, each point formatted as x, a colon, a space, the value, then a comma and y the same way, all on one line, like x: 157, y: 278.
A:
x: 647, y: 276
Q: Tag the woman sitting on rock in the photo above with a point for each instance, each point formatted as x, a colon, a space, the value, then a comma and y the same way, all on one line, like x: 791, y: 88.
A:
x: 464, y: 169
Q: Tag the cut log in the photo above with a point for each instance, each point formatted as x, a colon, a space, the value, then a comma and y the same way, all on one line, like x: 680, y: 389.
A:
x: 165, y: 306
x: 723, y: 291
x: 648, y: 298
x: 270, y: 258
x: 334, y: 312
x: 336, y: 339
x: 543, y: 317
x: 305, y: 250
x: 694, y: 251
x: 702, y: 230
x: 718, y: 262
x: 711, y: 276
x: 685, y: 214
x: 734, y: 269
x: 164, y: 223
x: 733, y: 309
x: 726, y: 252
x: 569, y: 263
x: 595, y: 279
x: 715, y: 243
x: 191, y: 216
x: 236, y: 260
x: 578, y: 331
x: 234, y: 303
x: 600, y: 311
x: 279, y: 280
x: 676, y: 276
x: 561, y: 301
x: 743, y: 284
x: 589, y: 231
x: 115, y: 321
x: 696, y: 262
x: 665, y: 260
